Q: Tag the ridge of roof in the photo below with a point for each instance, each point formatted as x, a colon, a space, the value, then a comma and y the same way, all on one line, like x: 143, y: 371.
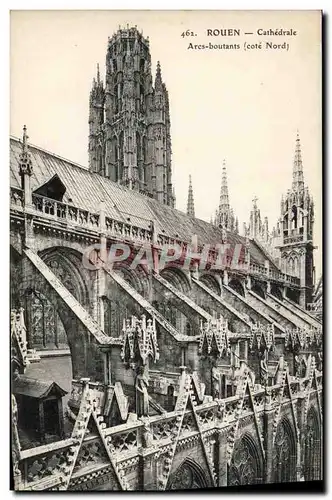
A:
x: 55, y: 155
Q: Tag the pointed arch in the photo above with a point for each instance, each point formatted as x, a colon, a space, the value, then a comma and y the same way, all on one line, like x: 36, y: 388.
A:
x: 177, y: 278
x: 284, y: 453
x: 312, y: 447
x: 188, y: 476
x: 211, y: 282
x: 247, y: 463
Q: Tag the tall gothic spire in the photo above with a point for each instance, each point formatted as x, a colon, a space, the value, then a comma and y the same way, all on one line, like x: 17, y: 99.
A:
x: 298, y: 181
x: 225, y: 216
x: 224, y: 198
x: 190, y: 203
x: 158, y: 84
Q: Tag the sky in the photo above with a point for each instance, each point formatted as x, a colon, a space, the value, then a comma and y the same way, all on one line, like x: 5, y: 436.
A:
x: 244, y: 106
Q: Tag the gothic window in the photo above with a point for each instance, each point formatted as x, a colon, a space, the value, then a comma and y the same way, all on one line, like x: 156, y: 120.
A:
x: 285, y: 224
x: 294, y: 217
x: 46, y: 330
x: 187, y: 477
x: 312, y: 448
x: 111, y: 318
x: 284, y: 454
x: 245, y: 466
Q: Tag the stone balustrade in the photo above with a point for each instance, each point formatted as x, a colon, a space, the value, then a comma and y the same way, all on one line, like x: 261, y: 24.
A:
x: 42, y: 466
x: 125, y: 230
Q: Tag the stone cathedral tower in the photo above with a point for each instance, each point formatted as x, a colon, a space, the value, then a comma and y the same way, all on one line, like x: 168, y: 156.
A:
x: 297, y: 220
x: 129, y: 120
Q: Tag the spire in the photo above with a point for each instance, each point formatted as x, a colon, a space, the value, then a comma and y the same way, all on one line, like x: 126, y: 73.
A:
x: 298, y: 181
x: 224, y: 214
x: 224, y: 199
x: 158, y: 81
x: 25, y: 163
x: 98, y: 74
x: 190, y: 203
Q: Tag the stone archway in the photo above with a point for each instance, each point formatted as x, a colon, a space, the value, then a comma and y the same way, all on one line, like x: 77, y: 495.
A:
x: 284, y: 454
x: 170, y: 307
x: 312, y: 447
x: 188, y: 476
x: 246, y: 466
x: 177, y: 278
x: 211, y: 282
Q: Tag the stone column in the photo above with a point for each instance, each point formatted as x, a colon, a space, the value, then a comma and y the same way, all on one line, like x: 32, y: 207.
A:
x: 149, y: 469
x: 221, y: 468
x: 269, y: 415
x: 301, y: 401
x: 248, y: 282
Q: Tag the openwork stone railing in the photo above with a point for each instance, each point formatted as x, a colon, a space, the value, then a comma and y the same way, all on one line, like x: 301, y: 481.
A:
x: 126, y: 230
x: 65, y: 211
x: 270, y: 273
x: 43, y: 467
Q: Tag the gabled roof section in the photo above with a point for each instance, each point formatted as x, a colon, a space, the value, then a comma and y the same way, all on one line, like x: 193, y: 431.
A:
x: 54, y: 188
x: 86, y: 190
x: 37, y: 389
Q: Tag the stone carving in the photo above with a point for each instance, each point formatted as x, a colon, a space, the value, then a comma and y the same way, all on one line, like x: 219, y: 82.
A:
x: 142, y: 397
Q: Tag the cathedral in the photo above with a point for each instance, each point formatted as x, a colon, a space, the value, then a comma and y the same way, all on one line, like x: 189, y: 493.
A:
x: 152, y: 350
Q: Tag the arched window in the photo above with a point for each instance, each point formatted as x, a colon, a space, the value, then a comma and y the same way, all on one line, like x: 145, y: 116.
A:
x: 188, y: 476
x: 111, y: 318
x: 45, y: 328
x: 294, y: 217
x: 246, y: 464
x: 312, y: 448
x: 211, y: 282
x: 284, y: 454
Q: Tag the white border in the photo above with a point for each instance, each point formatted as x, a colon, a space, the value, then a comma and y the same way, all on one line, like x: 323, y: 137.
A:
x: 4, y: 184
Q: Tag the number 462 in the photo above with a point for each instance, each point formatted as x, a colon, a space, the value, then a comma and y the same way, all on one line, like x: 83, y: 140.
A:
x: 187, y: 33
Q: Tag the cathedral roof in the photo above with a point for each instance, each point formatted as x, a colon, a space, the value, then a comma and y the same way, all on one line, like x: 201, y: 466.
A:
x: 87, y: 190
